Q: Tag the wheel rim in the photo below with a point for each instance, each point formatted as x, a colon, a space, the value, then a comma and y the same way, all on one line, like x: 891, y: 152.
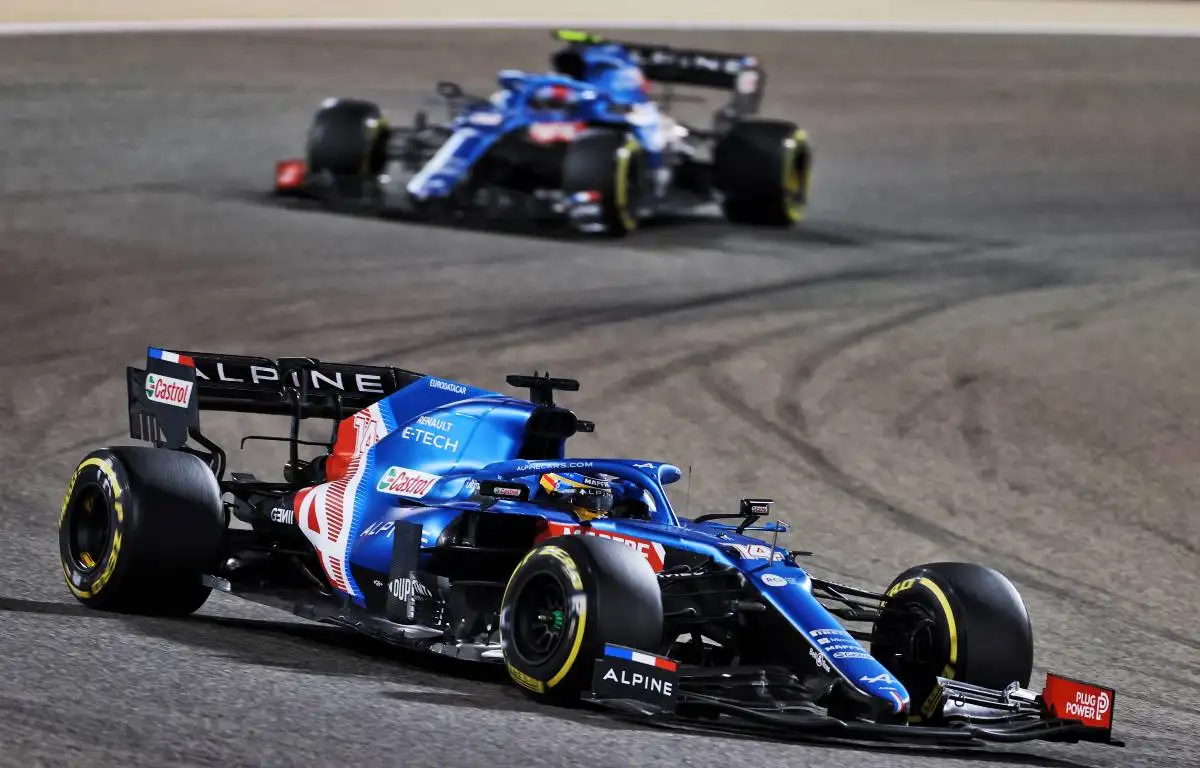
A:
x: 88, y: 528
x: 540, y: 619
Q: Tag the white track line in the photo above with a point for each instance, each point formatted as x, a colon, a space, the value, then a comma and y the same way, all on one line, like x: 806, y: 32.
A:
x: 253, y: 25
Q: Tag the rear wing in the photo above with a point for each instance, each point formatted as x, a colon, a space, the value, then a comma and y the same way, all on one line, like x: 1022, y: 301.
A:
x: 723, y: 70
x: 165, y: 399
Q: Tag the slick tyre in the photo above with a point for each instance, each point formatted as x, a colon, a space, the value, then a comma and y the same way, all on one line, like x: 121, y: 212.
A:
x: 960, y: 621
x: 609, y: 163
x: 762, y: 169
x: 564, y: 601
x: 138, y: 527
x: 348, y: 140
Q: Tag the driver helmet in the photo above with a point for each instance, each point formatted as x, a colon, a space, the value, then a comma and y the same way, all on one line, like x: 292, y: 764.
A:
x: 588, y: 496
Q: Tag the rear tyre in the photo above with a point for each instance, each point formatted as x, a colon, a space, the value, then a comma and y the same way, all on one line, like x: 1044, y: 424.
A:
x: 348, y: 140
x: 138, y: 527
x: 960, y: 621
x: 762, y: 168
x: 564, y: 601
x: 609, y: 164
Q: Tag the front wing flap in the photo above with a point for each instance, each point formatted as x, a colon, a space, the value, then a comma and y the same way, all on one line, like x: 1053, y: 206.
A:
x: 771, y: 702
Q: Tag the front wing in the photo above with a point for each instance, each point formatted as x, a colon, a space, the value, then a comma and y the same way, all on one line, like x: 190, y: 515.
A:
x: 489, y: 205
x: 770, y: 702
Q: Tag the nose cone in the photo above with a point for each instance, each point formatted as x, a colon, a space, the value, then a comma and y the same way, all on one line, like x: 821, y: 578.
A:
x: 789, y: 589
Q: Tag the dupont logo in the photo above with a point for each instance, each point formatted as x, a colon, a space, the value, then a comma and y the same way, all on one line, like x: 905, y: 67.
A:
x: 168, y: 391
x: 402, y: 481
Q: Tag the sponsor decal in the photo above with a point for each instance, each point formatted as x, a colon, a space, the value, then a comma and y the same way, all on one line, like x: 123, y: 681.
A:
x: 379, y: 528
x: 449, y: 386
x: 425, y: 437
x: 851, y: 655
x: 442, y: 425
x: 168, y: 390
x: 819, y: 659
x: 624, y: 673
x: 283, y: 515
x: 405, y: 589
x: 824, y: 632
x: 554, y: 466
x: 1075, y: 700
x: 318, y: 380
x: 882, y: 677
x: 505, y: 491
x: 645, y: 465
x: 402, y: 481
x: 772, y: 580
x: 485, y: 118
x: 648, y: 683
x: 549, y: 133
x: 408, y: 591
x: 654, y: 552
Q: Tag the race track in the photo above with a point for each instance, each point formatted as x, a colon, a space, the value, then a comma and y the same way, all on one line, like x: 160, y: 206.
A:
x: 982, y: 345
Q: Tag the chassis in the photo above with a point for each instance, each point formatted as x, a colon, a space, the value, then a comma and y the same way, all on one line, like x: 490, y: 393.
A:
x: 435, y: 564
x: 577, y: 157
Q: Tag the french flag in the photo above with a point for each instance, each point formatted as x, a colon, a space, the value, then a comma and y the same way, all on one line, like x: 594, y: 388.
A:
x: 171, y: 357
x: 621, y: 652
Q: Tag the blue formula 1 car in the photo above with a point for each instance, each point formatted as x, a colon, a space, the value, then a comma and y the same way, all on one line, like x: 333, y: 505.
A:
x: 585, y: 144
x: 449, y: 519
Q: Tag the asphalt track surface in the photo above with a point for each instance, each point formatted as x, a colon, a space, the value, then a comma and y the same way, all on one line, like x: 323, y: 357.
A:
x: 981, y: 346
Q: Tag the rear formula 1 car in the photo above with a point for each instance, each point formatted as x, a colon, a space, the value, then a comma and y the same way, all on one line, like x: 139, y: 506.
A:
x: 448, y: 518
x: 585, y: 145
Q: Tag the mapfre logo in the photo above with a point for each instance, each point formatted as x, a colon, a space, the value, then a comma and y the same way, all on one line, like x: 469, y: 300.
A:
x: 167, y: 390
x: 654, y: 552
x: 402, y: 481
x: 548, y: 133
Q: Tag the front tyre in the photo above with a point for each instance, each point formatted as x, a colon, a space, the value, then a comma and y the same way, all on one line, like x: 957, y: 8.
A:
x: 960, y: 621
x: 564, y: 601
x: 607, y: 164
x: 348, y: 141
x: 762, y: 168
x: 138, y: 527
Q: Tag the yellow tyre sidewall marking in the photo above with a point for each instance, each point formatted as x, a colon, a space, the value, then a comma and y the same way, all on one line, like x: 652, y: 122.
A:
x: 373, y: 132
x: 951, y: 629
x: 621, y: 184
x: 110, y: 560
x: 578, y: 603
x: 795, y: 182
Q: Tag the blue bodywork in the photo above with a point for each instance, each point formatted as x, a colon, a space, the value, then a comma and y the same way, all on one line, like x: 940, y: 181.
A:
x: 611, y: 92
x: 445, y: 437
